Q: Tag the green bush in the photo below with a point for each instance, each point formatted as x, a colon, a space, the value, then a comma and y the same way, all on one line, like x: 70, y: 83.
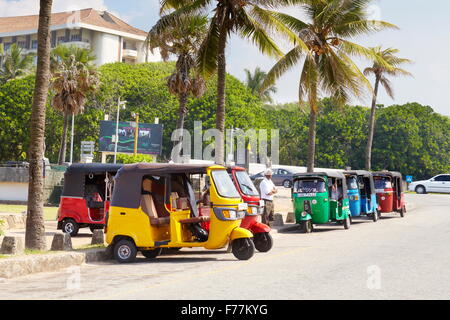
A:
x: 125, y: 158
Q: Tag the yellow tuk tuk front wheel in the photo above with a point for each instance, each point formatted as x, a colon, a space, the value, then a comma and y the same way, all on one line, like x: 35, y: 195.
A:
x: 243, y: 248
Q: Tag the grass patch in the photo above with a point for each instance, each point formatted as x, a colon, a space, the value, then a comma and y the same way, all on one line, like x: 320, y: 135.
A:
x: 50, y: 213
x: 91, y: 246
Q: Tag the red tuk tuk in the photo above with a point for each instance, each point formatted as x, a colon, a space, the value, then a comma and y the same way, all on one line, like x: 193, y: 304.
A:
x: 390, y: 193
x: 86, y: 195
x: 252, y: 221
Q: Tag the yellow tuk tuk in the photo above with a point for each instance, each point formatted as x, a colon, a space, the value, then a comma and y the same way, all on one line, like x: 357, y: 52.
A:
x: 154, y: 206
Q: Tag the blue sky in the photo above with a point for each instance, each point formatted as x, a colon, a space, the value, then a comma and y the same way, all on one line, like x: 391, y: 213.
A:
x: 424, y: 37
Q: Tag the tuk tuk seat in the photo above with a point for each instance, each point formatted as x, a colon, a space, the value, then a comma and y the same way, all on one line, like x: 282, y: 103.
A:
x: 196, y: 220
x: 148, y: 206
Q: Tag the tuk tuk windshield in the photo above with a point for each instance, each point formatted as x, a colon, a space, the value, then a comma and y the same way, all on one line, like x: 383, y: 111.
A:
x: 224, y: 184
x: 246, y: 184
x: 309, y: 186
x: 352, y: 183
x: 382, y: 183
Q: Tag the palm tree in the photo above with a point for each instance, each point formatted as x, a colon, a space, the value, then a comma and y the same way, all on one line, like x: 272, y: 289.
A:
x: 183, y: 41
x: 35, y: 229
x: 254, y: 83
x: 326, y: 47
x: 15, y: 63
x: 74, y: 77
x: 390, y: 67
x: 250, y: 19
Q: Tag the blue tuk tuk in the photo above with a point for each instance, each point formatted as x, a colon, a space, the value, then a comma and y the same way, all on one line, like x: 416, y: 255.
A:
x: 362, y: 195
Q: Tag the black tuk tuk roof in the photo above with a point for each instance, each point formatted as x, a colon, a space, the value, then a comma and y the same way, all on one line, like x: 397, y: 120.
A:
x: 331, y: 174
x: 388, y: 173
x: 128, y: 180
x: 74, y: 177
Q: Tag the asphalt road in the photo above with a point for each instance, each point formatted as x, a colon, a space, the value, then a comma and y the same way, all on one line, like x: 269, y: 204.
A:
x: 394, y: 258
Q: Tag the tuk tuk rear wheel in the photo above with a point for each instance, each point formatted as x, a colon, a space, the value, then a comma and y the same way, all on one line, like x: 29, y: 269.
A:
x: 307, y: 226
x: 263, y: 241
x: 375, y: 216
x: 151, y: 254
x: 70, y: 226
x: 243, y: 248
x: 125, y: 251
x: 347, y: 223
x: 402, y: 212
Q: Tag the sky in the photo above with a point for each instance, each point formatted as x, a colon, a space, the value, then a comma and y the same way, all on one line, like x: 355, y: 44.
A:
x: 424, y: 37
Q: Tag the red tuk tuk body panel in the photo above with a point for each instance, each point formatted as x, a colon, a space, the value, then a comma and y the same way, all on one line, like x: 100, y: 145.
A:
x: 77, y: 209
x: 250, y: 222
x: 386, y: 200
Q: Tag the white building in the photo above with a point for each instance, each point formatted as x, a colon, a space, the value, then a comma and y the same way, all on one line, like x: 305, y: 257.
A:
x: 111, y: 39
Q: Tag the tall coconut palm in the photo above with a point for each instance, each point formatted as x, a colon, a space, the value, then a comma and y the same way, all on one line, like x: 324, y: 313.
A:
x: 74, y: 77
x: 325, y: 45
x: 183, y: 41
x: 35, y: 229
x: 15, y: 63
x: 255, y: 81
x: 249, y: 19
x: 390, y: 67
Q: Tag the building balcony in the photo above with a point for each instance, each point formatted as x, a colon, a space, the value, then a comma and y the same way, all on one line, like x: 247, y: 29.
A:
x: 79, y: 44
x: 130, y: 53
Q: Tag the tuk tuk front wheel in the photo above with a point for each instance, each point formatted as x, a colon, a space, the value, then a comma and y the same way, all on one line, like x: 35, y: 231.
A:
x: 125, y: 251
x: 263, y: 241
x: 375, y: 216
x: 243, y: 248
x: 347, y: 223
x: 402, y: 212
x: 307, y: 226
x: 151, y: 254
x: 71, y: 227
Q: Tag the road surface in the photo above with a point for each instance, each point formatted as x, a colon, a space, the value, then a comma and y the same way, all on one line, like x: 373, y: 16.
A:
x: 394, y: 258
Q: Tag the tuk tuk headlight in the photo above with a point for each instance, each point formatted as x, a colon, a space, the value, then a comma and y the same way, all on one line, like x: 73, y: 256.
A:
x: 261, y: 203
x: 230, y: 214
x: 314, y: 201
x: 252, y: 210
x: 304, y: 213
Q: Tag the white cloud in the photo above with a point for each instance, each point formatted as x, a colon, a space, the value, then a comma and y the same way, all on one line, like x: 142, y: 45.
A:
x: 10, y: 8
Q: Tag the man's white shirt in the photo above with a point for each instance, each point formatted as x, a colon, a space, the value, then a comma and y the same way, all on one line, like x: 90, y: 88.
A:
x: 266, y: 187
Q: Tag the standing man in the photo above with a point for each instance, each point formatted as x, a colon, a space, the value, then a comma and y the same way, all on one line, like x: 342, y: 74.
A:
x: 268, y: 189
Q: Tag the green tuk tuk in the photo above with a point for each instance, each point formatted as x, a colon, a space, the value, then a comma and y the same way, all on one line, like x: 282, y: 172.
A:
x: 320, y: 198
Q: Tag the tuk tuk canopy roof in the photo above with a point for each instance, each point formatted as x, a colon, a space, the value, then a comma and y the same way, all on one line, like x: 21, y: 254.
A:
x: 363, y: 173
x: 331, y: 174
x: 128, y: 181
x: 388, y: 173
x: 74, y: 177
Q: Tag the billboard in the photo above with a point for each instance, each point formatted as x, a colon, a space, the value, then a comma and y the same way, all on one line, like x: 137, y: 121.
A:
x: 149, y: 139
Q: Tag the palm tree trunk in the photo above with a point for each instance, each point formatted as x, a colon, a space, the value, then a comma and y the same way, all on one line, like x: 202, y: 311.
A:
x: 312, y: 139
x: 35, y: 229
x: 182, y: 111
x: 221, y: 86
x: 372, y: 126
x: 63, y: 147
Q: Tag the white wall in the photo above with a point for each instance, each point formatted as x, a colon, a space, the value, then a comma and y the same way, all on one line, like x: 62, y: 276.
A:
x: 105, y: 47
x: 13, y: 191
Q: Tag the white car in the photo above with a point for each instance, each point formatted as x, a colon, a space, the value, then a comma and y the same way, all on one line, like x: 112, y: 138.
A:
x: 439, y: 183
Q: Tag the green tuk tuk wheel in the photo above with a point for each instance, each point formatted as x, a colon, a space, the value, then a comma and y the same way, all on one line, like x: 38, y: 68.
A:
x: 151, y: 254
x: 307, y: 226
x: 263, y: 241
x: 243, y: 248
x: 347, y: 223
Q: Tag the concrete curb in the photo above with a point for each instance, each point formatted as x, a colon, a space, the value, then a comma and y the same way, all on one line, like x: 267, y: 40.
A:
x: 24, y: 265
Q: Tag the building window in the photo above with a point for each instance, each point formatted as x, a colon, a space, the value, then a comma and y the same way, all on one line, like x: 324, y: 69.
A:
x: 34, y: 44
x: 22, y: 44
x: 75, y: 37
x: 61, y: 40
x: 6, y: 46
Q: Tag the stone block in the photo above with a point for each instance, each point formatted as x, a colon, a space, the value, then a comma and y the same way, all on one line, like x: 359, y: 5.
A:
x: 12, y: 245
x: 290, y: 217
x: 98, y: 237
x: 278, y: 220
x: 61, y: 242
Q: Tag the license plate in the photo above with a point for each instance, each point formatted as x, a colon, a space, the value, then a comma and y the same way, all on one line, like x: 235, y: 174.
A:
x: 306, y: 195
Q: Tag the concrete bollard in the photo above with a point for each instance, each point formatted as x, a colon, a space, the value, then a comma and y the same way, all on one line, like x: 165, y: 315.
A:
x: 278, y: 220
x: 12, y: 245
x: 290, y: 217
x: 61, y: 242
x: 98, y: 237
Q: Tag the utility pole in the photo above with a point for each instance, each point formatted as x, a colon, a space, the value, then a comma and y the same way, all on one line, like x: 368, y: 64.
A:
x: 119, y: 103
x: 136, y: 134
